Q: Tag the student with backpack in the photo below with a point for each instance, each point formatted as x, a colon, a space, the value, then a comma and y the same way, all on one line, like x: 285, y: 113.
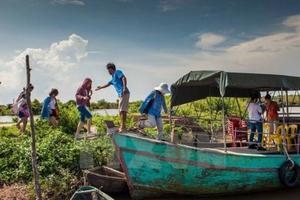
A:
x: 152, y: 106
x: 50, y: 108
x: 22, y: 109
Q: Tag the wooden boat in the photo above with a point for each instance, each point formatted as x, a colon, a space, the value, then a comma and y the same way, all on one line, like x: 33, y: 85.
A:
x: 90, y: 193
x: 155, y: 168
x: 107, y: 179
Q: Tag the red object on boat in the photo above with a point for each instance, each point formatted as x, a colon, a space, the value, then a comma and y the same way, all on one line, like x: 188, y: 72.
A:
x: 237, y: 128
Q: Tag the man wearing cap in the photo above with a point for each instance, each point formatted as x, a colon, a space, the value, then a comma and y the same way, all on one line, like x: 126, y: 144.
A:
x: 152, y: 106
x: 119, y: 81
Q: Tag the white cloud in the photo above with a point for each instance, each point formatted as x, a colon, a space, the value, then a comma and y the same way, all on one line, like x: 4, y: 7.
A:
x: 275, y: 53
x: 51, y: 66
x: 293, y: 21
x: 71, y: 2
x: 209, y: 40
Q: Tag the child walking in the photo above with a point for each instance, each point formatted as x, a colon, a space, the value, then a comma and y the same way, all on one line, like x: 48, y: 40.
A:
x: 22, y: 109
x: 83, y: 97
x: 50, y: 108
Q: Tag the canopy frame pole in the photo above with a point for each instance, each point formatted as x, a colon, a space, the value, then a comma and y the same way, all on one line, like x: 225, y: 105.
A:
x: 223, y: 123
x: 171, y: 125
x: 287, y: 104
x: 283, y: 133
x: 239, y: 107
x: 212, y: 137
x: 294, y: 97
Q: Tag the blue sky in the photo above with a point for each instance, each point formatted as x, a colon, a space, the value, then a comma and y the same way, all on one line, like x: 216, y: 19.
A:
x: 152, y: 41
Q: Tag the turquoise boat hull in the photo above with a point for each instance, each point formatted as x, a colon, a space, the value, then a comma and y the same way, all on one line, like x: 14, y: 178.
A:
x: 155, y: 168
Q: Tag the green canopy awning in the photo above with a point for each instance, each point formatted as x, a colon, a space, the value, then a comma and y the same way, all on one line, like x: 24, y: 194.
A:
x: 201, y: 84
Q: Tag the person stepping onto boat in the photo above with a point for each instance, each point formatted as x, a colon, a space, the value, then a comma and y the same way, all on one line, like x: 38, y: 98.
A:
x: 50, y: 108
x: 152, y: 106
x: 83, y: 97
x: 22, y: 109
x: 119, y: 81
x: 255, y: 122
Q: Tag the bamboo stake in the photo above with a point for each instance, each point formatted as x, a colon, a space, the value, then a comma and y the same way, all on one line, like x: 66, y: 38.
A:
x: 33, y: 140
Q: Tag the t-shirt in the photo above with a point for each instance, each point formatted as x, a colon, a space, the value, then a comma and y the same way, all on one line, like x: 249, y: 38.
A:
x: 272, y: 111
x: 52, y: 104
x: 117, y: 82
x: 254, y: 111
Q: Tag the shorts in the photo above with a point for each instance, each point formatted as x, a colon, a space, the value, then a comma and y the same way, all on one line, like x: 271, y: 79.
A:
x: 23, y: 114
x: 84, y: 113
x: 123, y: 103
x: 54, y: 113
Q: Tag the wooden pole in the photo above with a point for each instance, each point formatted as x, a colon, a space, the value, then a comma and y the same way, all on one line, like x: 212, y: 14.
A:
x: 239, y: 107
x: 33, y: 140
x: 223, y: 124
x: 287, y: 105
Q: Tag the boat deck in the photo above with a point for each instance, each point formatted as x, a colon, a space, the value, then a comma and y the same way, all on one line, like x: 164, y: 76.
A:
x: 245, y: 150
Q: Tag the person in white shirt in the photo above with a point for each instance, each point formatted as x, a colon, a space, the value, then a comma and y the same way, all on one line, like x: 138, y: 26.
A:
x: 255, y: 122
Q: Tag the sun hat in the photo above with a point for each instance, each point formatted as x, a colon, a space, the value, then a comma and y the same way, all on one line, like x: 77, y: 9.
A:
x: 163, y: 88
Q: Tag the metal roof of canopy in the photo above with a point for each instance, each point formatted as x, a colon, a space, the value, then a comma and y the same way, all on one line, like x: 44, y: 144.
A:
x: 201, y: 84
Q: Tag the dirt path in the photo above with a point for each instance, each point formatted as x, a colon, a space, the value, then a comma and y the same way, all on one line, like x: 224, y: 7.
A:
x: 14, y: 192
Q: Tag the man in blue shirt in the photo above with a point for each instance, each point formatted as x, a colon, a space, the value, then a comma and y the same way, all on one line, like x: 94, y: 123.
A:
x: 119, y: 81
x: 152, y: 106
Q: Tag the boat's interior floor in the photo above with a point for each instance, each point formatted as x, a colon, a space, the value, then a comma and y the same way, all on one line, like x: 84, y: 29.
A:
x: 246, y: 150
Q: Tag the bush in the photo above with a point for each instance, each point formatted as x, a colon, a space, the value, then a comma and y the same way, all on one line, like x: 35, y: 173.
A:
x: 68, y: 118
x: 56, y: 150
x: 60, y: 186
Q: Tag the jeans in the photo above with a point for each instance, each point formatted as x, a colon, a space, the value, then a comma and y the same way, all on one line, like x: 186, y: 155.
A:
x: 152, y: 122
x: 256, y: 126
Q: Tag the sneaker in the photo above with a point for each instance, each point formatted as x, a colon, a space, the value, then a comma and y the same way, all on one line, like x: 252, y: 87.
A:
x: 252, y: 146
x: 79, y: 136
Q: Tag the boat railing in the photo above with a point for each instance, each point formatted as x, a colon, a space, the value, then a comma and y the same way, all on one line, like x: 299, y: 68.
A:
x: 238, y: 136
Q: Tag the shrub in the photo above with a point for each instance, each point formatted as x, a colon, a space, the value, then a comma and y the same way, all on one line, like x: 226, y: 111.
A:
x: 68, y: 118
x: 56, y: 150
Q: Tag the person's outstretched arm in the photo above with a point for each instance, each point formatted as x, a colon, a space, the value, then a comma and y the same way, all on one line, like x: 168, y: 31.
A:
x: 102, y: 87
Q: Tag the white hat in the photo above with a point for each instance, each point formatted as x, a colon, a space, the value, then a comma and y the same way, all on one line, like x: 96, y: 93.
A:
x: 163, y: 88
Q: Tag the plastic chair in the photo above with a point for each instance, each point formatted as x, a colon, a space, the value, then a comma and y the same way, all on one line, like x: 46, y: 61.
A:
x: 266, y: 134
x: 276, y: 137
x: 237, y: 128
x: 240, y: 134
x: 291, y: 136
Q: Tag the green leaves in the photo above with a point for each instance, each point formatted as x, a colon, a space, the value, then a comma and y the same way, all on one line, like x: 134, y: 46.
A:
x: 56, y: 150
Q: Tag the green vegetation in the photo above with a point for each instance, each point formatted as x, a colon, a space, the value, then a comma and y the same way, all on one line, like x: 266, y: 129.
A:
x: 5, y: 110
x: 58, y: 155
x: 102, y: 104
x: 208, y: 112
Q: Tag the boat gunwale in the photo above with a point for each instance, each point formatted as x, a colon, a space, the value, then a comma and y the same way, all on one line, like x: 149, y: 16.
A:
x: 210, y: 150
